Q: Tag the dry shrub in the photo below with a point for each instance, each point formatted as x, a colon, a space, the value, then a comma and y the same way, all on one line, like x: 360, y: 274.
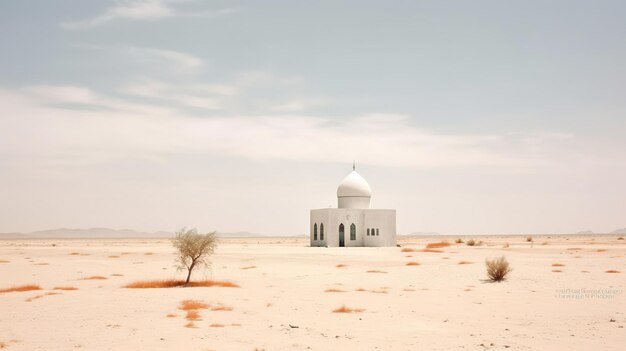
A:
x: 557, y: 271
x: 172, y: 283
x: 408, y: 289
x: 216, y: 325
x: 505, y: 246
x: 408, y: 249
x: 465, y: 262
x: 574, y: 248
x: 333, y: 290
x: 171, y: 315
x: 497, y: 269
x: 33, y: 298
x: 190, y: 325
x: 375, y: 271
x: 65, y: 288
x: 360, y: 289
x: 585, y: 271
x: 4, y: 261
x: 248, y: 267
x: 344, y: 309
x: 117, y: 275
x: 557, y: 265
x: 341, y: 265
x: 470, y: 242
x: 78, y: 254
x: 408, y: 256
x: 432, y: 250
x: 42, y: 264
x: 94, y: 277
x: 114, y: 256
x: 459, y: 241
x: 544, y: 243
x: 21, y: 288
x: 187, y: 305
x: 529, y: 238
x: 620, y: 238
x: 2, y: 345
x: 612, y: 271
x: 438, y: 245
x: 600, y: 250
x: 149, y: 253
x: 412, y: 263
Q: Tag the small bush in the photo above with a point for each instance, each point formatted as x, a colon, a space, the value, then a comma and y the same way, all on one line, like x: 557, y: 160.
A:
x: 187, y: 305
x: 333, y: 290
x: 612, y: 271
x: 341, y: 265
x: 529, y: 238
x: 65, y: 288
x: 408, y: 249
x: 470, y: 242
x: 497, y: 269
x: 557, y: 271
x: 412, y: 263
x: 465, y: 262
x: 459, y: 241
x: 557, y: 265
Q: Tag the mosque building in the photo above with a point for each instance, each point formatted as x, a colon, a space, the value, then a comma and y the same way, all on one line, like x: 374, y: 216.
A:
x: 353, y: 223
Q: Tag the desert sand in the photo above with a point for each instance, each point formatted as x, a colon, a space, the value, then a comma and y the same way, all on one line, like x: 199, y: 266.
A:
x: 559, y: 296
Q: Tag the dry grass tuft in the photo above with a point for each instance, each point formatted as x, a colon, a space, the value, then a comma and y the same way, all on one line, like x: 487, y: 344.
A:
x: 470, y: 242
x: 360, y: 289
x: 42, y: 264
x: 190, y: 325
x: 4, y: 261
x: 221, y: 307
x: 94, y: 277
x: 600, y: 250
x: 497, y: 269
x: 529, y: 238
x: 557, y: 271
x: 612, y: 271
x: 149, y: 253
x: 505, y: 246
x: 78, y: 254
x: 437, y: 245
x: 21, y: 288
x: 171, y: 315
x: 459, y: 241
x: 2, y: 345
x: 574, y: 248
x: 216, y: 325
x: 465, y: 262
x: 187, y: 305
x: 248, y: 267
x: 558, y: 265
x: 65, y: 288
x: 408, y: 249
x: 334, y: 290
x: 344, y: 309
x: 192, y: 315
x: 341, y: 265
x: 412, y: 263
x: 117, y: 275
x: 432, y: 250
x: 620, y: 238
x: 172, y: 283
x: 375, y: 271
x: 114, y: 256
x: 33, y: 298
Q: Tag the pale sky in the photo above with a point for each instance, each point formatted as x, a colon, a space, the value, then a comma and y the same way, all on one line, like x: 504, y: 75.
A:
x: 467, y: 117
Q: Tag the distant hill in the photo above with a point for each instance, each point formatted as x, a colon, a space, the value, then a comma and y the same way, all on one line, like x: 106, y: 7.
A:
x: 619, y: 231
x: 423, y: 234
x: 585, y: 232
x: 67, y: 233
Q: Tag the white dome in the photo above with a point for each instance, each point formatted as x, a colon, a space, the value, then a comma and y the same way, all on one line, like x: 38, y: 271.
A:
x: 353, y: 185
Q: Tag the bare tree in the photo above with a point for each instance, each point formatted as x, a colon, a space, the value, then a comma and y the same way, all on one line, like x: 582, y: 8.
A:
x: 193, y: 249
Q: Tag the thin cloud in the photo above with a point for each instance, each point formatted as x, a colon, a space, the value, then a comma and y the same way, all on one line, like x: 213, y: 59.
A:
x: 180, y: 59
x: 141, y: 10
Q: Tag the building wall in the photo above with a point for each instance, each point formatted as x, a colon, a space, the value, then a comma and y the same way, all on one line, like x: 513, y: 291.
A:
x: 383, y: 220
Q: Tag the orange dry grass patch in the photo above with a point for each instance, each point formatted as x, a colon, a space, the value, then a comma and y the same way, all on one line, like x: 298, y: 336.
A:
x: 360, y: 289
x: 558, y: 265
x: 600, y: 250
x: 190, y: 325
x: 172, y: 283
x: 221, y: 307
x: 412, y: 263
x: 341, y: 265
x: 465, y: 262
x: 437, y: 245
x: 33, y: 298
x: 65, y: 288
x: 94, y: 277
x: 171, y: 315
x: 375, y: 271
x: 4, y: 261
x: 344, y: 309
x: 187, y: 305
x: 334, y: 290
x: 612, y: 271
x: 408, y: 249
x: 216, y: 325
x: 21, y: 288
x: 248, y: 267
x: 193, y: 315
x: 432, y: 250
x: 557, y: 271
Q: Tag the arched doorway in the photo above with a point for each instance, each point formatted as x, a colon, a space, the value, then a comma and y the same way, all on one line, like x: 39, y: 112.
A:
x: 342, y: 232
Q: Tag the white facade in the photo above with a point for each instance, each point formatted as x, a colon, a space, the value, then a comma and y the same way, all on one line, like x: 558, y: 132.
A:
x: 353, y: 223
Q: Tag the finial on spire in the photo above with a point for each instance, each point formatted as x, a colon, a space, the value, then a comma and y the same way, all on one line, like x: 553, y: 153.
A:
x: 353, y: 166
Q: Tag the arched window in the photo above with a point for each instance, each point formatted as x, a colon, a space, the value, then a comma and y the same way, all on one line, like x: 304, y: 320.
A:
x: 352, y: 232
x: 315, y: 231
x: 321, y: 231
x: 368, y: 231
x: 376, y: 231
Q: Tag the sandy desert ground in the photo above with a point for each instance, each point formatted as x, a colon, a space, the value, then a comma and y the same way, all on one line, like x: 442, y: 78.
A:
x: 558, y: 297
